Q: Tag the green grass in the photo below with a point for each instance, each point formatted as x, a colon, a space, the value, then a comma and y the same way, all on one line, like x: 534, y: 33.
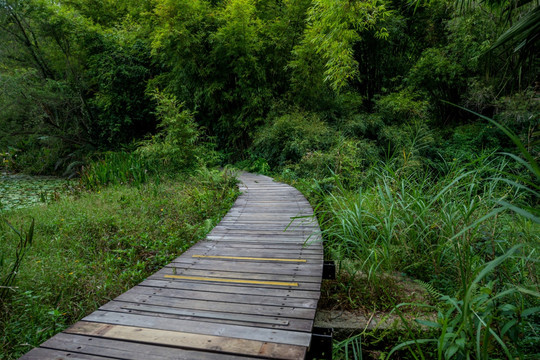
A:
x: 90, y: 248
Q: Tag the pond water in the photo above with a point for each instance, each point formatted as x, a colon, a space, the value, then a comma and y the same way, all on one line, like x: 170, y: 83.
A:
x: 18, y: 191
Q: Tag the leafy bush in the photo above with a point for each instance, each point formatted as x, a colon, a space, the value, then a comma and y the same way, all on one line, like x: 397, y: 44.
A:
x: 38, y: 155
x: 438, y: 74
x: 174, y: 148
x: 520, y: 113
x: 407, y: 144
x: 347, y: 162
x: 466, y: 141
x: 288, y: 138
x: 120, y: 69
x: 362, y: 125
x: 401, y: 107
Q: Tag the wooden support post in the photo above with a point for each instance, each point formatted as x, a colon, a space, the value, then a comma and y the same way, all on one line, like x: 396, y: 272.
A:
x: 329, y: 270
x: 321, y: 344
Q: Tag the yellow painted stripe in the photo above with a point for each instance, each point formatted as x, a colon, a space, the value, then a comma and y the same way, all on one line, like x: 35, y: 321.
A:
x: 246, y: 258
x: 240, y: 281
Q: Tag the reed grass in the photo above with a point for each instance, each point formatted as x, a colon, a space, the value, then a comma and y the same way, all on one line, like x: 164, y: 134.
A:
x: 451, y: 229
x: 117, y: 168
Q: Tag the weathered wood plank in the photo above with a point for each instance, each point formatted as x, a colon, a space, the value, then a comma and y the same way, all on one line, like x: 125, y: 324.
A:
x: 119, y: 349
x: 201, y: 328
x: 233, y: 275
x: 53, y: 354
x: 255, y: 267
x: 261, y: 283
x: 188, y: 340
x: 230, y: 289
x: 226, y: 297
x: 219, y: 306
x: 266, y: 238
x: 251, y: 254
x: 232, y: 318
x: 178, y: 267
x: 239, y: 246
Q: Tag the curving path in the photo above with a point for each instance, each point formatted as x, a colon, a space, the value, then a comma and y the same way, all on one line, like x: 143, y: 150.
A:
x: 249, y: 290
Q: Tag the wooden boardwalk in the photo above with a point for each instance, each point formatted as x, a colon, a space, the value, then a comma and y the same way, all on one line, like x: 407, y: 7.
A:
x: 249, y: 290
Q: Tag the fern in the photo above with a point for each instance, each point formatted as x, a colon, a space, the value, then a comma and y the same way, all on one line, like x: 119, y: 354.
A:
x: 430, y: 289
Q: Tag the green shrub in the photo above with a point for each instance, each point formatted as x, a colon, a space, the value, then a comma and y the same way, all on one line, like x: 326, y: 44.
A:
x: 38, y: 155
x: 521, y: 113
x: 407, y: 144
x: 175, y: 147
x: 347, y: 161
x: 467, y: 141
x: 401, y: 107
x: 288, y: 138
x: 438, y: 74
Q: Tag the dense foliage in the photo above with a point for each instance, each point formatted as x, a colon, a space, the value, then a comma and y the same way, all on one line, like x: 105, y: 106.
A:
x: 380, y: 110
x: 81, y: 76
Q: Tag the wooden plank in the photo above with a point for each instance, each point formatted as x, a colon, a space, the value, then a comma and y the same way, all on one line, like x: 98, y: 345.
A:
x: 238, y: 317
x: 300, y: 238
x: 270, y: 237
x: 255, y: 267
x: 219, y: 306
x: 262, y: 223
x: 225, y: 297
x: 270, y: 214
x: 238, y: 277
x: 233, y: 281
x: 230, y: 289
x: 282, y: 211
x: 262, y: 249
x: 281, y: 224
x: 283, y: 228
x: 259, y: 321
x: 296, y: 260
x: 239, y: 245
x: 264, y: 240
x: 188, y: 340
x: 201, y: 328
x: 265, y: 255
x: 52, y: 354
x: 295, y: 234
x: 263, y: 269
x: 118, y: 349
x: 204, y: 314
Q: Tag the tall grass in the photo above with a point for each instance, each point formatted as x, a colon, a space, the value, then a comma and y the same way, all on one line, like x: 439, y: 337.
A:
x: 451, y: 229
x: 117, y: 168
x: 434, y: 227
x: 9, y: 267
